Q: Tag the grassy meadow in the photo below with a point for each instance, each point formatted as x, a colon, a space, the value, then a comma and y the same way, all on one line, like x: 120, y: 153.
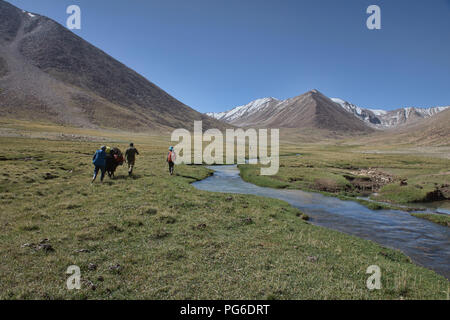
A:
x: 389, y: 179
x: 154, y: 236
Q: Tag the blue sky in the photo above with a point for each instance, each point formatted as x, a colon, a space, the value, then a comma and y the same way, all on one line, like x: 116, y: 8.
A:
x: 215, y: 54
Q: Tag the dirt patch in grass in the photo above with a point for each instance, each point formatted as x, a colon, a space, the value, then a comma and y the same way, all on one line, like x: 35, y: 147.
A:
x: 370, y: 179
x: 327, y: 185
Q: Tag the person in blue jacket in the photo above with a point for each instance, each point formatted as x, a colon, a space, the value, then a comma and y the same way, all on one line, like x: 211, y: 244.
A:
x: 99, y: 161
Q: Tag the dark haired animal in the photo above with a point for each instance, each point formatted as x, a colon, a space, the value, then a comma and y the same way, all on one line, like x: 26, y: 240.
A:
x: 113, y: 160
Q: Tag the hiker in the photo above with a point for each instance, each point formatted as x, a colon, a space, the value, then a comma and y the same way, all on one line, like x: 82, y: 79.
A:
x: 130, y: 157
x: 99, y: 161
x: 171, y: 157
x: 109, y: 161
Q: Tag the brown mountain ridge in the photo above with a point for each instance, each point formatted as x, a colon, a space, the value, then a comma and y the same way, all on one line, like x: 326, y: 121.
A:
x: 311, y: 110
x: 48, y: 73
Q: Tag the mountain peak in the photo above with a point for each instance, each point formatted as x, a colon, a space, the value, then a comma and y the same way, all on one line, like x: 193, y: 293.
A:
x: 312, y: 92
x: 314, y: 109
x: 311, y: 110
x: 244, y: 110
x: 315, y: 94
x: 48, y: 73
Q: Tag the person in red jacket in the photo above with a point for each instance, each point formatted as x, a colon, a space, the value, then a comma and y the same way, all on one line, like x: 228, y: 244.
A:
x: 171, y: 157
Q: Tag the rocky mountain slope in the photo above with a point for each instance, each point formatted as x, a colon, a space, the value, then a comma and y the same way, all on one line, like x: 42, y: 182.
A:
x: 382, y: 119
x: 433, y: 131
x: 48, y: 73
x: 263, y: 111
x: 309, y: 110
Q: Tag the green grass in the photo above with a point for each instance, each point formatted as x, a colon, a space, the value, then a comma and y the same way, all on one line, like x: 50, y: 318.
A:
x: 441, y: 219
x: 329, y: 169
x: 369, y: 204
x: 171, y: 240
x: 248, y: 174
x: 402, y: 194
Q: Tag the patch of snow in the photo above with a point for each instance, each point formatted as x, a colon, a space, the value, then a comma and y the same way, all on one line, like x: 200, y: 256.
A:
x: 29, y: 13
x: 378, y: 112
x: 358, y: 110
x: 240, y: 111
x: 429, y: 112
x: 216, y: 115
x: 337, y: 100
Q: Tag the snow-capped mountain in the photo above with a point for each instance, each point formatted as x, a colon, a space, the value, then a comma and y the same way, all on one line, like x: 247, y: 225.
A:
x: 387, y: 119
x: 262, y: 111
x: 309, y: 110
x: 245, y: 110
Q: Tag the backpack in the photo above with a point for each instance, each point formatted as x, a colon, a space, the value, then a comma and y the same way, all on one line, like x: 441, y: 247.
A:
x: 169, y: 157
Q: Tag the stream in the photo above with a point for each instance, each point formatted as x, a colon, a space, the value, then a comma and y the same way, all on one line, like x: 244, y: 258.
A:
x: 426, y: 243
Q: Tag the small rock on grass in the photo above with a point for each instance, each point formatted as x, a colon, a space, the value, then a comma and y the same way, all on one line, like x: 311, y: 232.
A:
x: 89, y: 283
x: 81, y: 250
x: 115, y: 267
x: 46, y: 247
x: 43, y: 245
x: 50, y: 176
x: 303, y: 216
x: 201, y: 226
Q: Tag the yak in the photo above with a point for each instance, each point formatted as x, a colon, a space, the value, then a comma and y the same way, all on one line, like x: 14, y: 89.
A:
x: 113, y: 160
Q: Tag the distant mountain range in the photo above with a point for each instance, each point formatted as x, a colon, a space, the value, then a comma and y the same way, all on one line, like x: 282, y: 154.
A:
x: 48, y: 73
x: 298, y: 112
x: 382, y: 119
x: 432, y: 131
x: 309, y: 110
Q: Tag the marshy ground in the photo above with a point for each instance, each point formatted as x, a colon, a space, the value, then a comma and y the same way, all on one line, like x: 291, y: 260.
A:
x: 351, y: 172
